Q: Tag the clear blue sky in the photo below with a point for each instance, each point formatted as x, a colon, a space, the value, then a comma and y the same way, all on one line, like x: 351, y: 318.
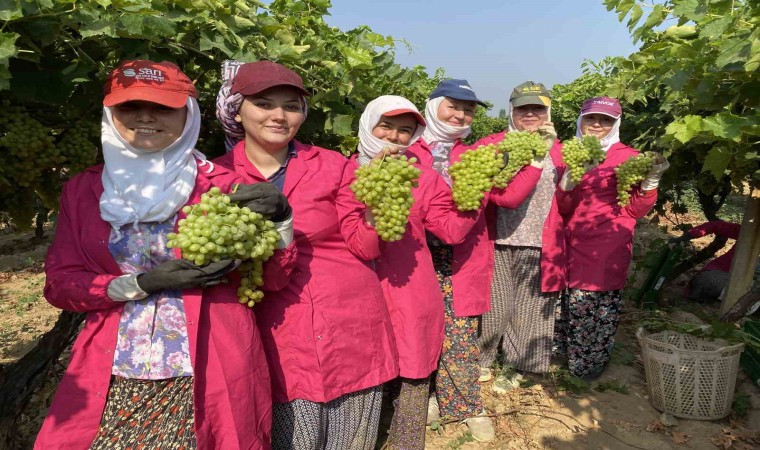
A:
x: 495, y: 45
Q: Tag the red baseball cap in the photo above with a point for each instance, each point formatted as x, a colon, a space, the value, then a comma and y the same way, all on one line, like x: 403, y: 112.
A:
x: 401, y: 111
x: 252, y: 78
x: 602, y: 105
x: 156, y: 82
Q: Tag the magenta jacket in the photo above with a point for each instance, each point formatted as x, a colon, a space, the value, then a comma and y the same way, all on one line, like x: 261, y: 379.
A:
x: 599, y: 233
x: 553, y: 261
x: 231, y: 391
x: 472, y: 267
x: 406, y: 272
x: 328, y: 332
x: 720, y: 228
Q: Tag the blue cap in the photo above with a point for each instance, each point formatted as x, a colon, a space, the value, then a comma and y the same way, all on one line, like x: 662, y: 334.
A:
x: 456, y: 89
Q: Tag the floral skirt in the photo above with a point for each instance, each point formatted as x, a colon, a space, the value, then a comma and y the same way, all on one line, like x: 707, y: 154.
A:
x: 585, y: 328
x: 148, y: 414
x: 456, y: 382
x: 410, y: 415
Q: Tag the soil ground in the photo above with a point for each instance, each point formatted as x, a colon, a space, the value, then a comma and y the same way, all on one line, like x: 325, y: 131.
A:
x: 541, y: 415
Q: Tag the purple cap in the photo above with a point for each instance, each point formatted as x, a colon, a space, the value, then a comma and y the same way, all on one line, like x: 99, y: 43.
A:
x: 602, y: 105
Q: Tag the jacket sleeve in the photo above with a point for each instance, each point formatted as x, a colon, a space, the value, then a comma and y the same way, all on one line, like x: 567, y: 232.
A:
x: 443, y: 219
x: 518, y: 188
x: 279, y: 267
x: 361, y: 238
x: 69, y: 284
x: 641, y: 203
x: 719, y: 227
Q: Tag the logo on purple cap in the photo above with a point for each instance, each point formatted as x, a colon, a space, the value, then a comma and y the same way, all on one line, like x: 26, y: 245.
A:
x: 602, y: 105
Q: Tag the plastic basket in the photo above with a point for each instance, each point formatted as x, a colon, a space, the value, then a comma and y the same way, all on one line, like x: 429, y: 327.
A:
x: 689, y: 377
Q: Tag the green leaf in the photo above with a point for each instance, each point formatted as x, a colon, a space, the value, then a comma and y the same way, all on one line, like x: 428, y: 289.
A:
x: 357, y: 58
x: 726, y: 125
x: 10, y: 9
x: 685, y: 129
x: 100, y: 27
x: 690, y: 9
x: 753, y: 62
x: 733, y: 50
x: 285, y: 36
x: 7, y: 47
x: 636, y: 13
x: 655, y: 18
x: 716, y: 162
x: 342, y: 125
x: 623, y: 7
x: 716, y: 28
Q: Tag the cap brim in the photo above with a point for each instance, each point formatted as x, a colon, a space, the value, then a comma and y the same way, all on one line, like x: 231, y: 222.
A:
x: 532, y: 100
x: 398, y: 112
x: 163, y: 97
x: 255, y: 88
x: 602, y: 113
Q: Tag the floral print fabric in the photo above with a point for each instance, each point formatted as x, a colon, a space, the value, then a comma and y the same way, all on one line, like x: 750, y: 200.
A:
x: 456, y: 383
x: 152, y: 341
x: 585, y: 327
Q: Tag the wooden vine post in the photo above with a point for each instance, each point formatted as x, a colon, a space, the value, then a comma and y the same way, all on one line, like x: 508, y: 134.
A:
x: 747, y: 251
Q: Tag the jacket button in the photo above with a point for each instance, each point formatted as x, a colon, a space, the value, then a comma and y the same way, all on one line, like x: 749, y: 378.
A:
x: 319, y: 337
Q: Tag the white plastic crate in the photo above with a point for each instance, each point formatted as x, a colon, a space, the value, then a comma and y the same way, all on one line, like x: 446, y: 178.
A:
x: 689, y: 377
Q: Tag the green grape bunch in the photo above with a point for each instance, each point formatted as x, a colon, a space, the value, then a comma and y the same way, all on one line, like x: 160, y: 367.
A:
x: 80, y: 145
x: 522, y: 147
x: 473, y: 175
x: 581, y: 154
x: 385, y: 186
x: 631, y: 172
x: 217, y: 229
x: 26, y: 145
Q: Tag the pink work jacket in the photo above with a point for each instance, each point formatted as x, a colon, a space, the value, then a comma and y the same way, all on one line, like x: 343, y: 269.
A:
x: 599, y: 233
x: 328, y: 332
x: 553, y: 261
x: 231, y: 390
x: 406, y: 272
x: 719, y: 228
x: 472, y: 266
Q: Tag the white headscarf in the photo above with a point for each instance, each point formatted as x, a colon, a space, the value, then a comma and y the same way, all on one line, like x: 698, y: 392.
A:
x: 438, y: 131
x: 512, y: 127
x: 369, y: 145
x: 612, y: 138
x: 142, y: 186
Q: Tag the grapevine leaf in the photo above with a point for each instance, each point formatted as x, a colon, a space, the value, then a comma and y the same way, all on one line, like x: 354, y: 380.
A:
x: 655, y: 18
x: 623, y: 7
x: 5, y: 76
x: 690, y: 9
x: 8, y: 47
x: 342, y: 125
x: 100, y: 27
x: 715, y: 28
x: 357, y: 58
x: 10, y: 9
x: 716, y: 162
x: 685, y: 129
x: 735, y: 49
x: 753, y: 62
x: 636, y: 13
x: 726, y: 125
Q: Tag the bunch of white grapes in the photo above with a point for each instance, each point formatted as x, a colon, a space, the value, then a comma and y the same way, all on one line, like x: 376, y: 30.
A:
x: 473, y: 175
x: 580, y: 154
x: 385, y: 186
x: 630, y: 173
x: 522, y: 147
x: 216, y: 229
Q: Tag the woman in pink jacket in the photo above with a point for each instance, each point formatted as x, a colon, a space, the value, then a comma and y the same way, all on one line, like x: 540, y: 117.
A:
x: 162, y: 361
x: 599, y: 240
x: 465, y: 269
x: 327, y: 334
x: 390, y: 124
x: 529, y: 268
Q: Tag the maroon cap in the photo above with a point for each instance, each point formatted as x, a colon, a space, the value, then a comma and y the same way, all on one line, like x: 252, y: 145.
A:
x: 402, y: 111
x: 602, y: 105
x: 252, y: 78
x: 156, y: 82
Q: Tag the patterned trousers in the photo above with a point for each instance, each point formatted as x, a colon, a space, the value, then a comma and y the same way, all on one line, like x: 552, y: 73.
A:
x: 585, y: 328
x: 347, y: 423
x: 456, y: 383
x: 156, y: 414
x: 521, y: 315
x: 410, y: 415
